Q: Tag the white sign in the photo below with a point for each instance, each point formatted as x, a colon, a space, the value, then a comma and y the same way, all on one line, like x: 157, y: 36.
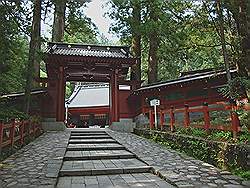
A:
x: 155, y: 102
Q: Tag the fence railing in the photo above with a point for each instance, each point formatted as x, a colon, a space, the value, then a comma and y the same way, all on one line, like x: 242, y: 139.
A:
x: 168, y: 117
x: 16, y: 132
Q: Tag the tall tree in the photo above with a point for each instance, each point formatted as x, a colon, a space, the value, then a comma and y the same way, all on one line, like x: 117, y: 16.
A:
x: 222, y: 38
x: 59, y: 20
x: 34, y: 49
x: 153, y: 33
x: 136, y: 39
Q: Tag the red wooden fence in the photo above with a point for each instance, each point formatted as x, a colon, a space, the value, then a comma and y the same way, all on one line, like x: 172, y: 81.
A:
x: 16, y: 131
x: 205, y: 110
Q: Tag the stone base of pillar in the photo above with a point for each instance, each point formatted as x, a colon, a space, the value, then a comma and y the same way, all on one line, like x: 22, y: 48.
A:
x: 123, y: 126
x: 53, y: 126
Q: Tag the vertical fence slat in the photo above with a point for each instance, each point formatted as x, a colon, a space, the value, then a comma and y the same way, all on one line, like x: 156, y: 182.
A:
x: 172, y: 119
x: 234, y: 119
x: 206, y: 116
x: 12, y: 133
x: 22, y: 133
x: 162, y: 119
x: 151, y: 119
x: 186, y: 117
x: 1, y: 135
x: 33, y: 128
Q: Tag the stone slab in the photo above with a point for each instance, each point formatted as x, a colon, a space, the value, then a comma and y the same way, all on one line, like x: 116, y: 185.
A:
x: 53, y: 126
x: 91, y: 137
x: 146, y: 180
x: 97, y: 164
x: 123, y: 126
x: 91, y: 141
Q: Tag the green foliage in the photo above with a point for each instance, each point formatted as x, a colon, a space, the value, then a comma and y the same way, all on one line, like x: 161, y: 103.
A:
x: 6, y: 114
x: 235, y: 89
x: 221, y: 135
x: 191, y: 131
x: 13, y: 49
x: 69, y: 89
x: 190, y: 43
x: 79, y: 28
x: 245, y: 174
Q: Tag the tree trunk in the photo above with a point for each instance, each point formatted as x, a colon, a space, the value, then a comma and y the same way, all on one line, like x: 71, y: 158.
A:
x: 244, y: 31
x: 222, y: 38
x: 59, y: 20
x: 136, y: 41
x: 34, y: 48
x: 153, y: 43
x: 152, y: 58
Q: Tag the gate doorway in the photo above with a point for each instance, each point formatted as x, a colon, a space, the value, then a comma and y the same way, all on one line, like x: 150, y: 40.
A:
x: 85, y: 63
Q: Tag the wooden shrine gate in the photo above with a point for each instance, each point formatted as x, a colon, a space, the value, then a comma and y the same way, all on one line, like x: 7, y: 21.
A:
x: 85, y: 63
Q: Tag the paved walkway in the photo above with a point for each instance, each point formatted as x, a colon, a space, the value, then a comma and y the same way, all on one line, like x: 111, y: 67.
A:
x: 93, y: 159
x: 37, y: 164
x: 96, y: 160
x: 178, y: 168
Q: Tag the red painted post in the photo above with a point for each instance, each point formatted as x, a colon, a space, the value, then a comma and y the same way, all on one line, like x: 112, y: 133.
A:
x: 22, y: 133
x: 235, y: 119
x: 1, y: 135
x: 28, y: 129
x: 186, y: 117
x: 162, y: 119
x: 12, y: 133
x: 151, y: 119
x: 172, y: 120
x: 206, y: 117
x: 33, y: 128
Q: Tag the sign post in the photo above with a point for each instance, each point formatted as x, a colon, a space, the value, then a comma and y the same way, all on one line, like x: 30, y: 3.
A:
x: 154, y: 103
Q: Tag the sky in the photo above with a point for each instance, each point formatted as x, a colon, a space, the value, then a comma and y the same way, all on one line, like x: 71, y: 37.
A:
x: 95, y: 10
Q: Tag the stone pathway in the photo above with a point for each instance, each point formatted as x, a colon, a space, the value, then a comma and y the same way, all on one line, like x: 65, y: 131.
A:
x: 175, y: 167
x: 94, y: 159
x: 97, y: 159
x: 37, y: 164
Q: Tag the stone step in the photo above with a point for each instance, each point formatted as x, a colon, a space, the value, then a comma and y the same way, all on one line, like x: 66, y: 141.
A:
x: 117, y: 180
x: 119, y: 147
x: 91, y: 141
x: 104, y: 163
x: 88, y: 134
x: 106, y: 171
x: 88, y: 131
x: 91, y: 137
x: 98, y: 154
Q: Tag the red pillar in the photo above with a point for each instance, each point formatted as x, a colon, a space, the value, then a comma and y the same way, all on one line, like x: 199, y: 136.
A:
x: 151, y: 119
x: 206, y: 117
x: 235, y: 120
x: 114, y: 91
x: 162, y: 119
x: 60, y: 96
x: 186, y: 117
x: 1, y: 135
x: 172, y: 119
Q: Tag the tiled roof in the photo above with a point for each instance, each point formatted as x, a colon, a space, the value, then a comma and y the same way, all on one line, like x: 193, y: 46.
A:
x: 88, y: 50
x: 89, y: 96
x: 21, y: 94
x: 185, y: 79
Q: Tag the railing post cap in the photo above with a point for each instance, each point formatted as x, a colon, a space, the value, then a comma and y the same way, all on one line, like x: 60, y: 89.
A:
x: 186, y: 105
x: 205, y: 103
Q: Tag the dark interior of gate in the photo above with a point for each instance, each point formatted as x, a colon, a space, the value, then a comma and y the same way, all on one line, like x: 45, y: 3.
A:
x: 106, y: 67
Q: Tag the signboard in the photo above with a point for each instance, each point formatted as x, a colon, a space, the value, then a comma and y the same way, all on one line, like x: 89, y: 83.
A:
x: 155, y: 102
